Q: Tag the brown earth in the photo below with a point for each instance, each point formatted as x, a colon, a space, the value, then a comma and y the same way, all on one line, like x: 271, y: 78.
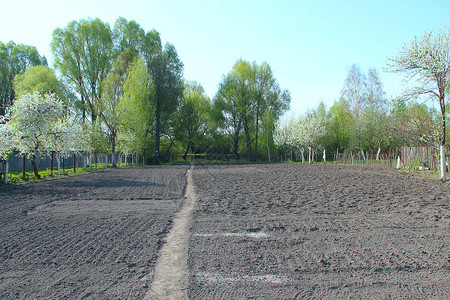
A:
x: 277, y: 231
x: 93, y: 236
x: 293, y: 231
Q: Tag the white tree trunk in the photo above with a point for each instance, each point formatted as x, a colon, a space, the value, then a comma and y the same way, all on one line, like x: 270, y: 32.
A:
x: 106, y: 161
x: 442, y: 162
x: 378, y: 153
x: 362, y: 152
x: 399, y: 163
x: 85, y: 162
x: 303, y: 156
x: 324, y: 156
x: 309, y: 157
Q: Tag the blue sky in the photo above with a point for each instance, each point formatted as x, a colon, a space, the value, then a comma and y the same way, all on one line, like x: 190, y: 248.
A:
x: 310, y: 45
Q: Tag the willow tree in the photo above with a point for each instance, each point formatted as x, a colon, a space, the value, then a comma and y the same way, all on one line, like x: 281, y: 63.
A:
x: 84, y: 53
x: 427, y: 59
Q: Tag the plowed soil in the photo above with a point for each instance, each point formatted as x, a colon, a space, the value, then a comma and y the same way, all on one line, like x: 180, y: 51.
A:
x: 93, y: 236
x: 278, y: 231
x: 313, y: 231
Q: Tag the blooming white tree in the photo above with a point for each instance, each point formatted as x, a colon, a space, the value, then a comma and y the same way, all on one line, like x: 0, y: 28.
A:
x: 6, y: 137
x: 282, y: 136
x: 427, y: 59
x: 307, y: 132
x: 39, y: 125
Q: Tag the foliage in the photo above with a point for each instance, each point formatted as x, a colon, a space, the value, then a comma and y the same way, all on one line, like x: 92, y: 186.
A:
x: 40, y: 79
x: 247, y: 93
x: 136, y: 109
x: 38, y: 125
x: 192, y: 117
x: 14, y: 60
x: 427, y: 59
x: 84, y: 54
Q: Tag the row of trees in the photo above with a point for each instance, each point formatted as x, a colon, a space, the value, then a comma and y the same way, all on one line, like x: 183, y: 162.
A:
x: 126, y: 93
x: 363, y: 119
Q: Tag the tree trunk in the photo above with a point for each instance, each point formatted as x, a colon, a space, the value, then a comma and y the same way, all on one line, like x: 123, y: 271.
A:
x: 187, y: 149
x: 256, y: 133
x: 236, y: 146
x: 442, y: 163
x: 442, y: 146
x: 249, y: 142
x: 35, y: 167
x: 378, y: 153
x: 309, y: 156
x: 51, y: 163
x: 113, y: 148
x: 157, y: 128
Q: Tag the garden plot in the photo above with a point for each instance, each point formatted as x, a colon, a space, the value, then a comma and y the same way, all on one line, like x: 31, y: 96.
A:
x: 90, y: 236
x: 291, y: 231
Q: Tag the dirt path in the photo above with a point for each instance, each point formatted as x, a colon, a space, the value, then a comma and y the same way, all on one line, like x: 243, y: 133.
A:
x: 171, y: 271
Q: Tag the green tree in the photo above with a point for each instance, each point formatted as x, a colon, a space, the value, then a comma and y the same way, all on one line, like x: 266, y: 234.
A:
x: 225, y: 111
x: 340, y: 127
x: 136, y: 108
x: 428, y: 60
x: 192, y: 116
x: 84, y: 52
x: 14, y: 60
x: 40, y: 79
x: 166, y: 70
x: 244, y: 96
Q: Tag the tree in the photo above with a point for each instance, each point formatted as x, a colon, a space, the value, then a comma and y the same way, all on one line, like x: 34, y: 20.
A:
x: 40, y: 79
x: 414, y: 124
x: 38, y: 124
x: 245, y: 95
x: 136, y: 108
x: 7, y: 141
x: 166, y: 71
x: 128, y: 36
x: 113, y: 90
x: 267, y: 96
x: 14, y: 60
x: 84, y: 52
x: 428, y: 60
x: 192, y: 116
x: 225, y: 111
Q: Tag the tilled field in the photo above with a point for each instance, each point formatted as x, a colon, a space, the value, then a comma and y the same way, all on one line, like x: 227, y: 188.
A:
x: 89, y: 236
x: 278, y: 231
x: 293, y: 231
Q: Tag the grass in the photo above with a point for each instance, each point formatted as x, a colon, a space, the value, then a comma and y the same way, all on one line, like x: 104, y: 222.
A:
x: 16, y: 176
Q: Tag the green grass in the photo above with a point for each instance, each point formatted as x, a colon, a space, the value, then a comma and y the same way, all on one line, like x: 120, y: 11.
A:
x: 16, y: 176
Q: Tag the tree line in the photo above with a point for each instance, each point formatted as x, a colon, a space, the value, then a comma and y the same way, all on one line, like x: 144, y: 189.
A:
x: 126, y: 93
x: 119, y: 89
x: 364, y: 120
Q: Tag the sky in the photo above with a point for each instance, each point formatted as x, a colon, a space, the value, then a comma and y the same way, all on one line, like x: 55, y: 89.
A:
x: 310, y: 45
